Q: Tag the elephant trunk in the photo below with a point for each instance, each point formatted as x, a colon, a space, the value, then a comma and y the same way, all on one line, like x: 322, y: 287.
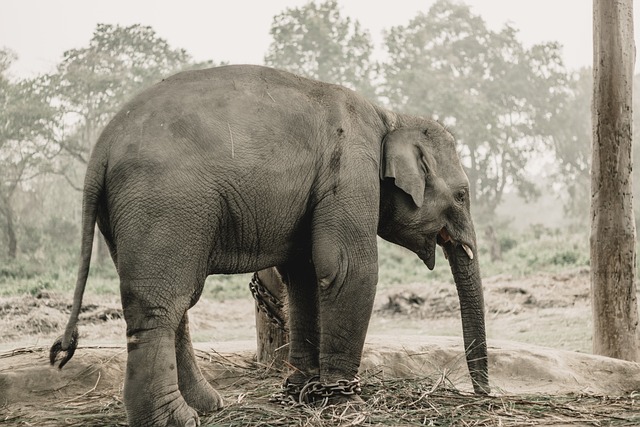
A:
x: 466, y: 273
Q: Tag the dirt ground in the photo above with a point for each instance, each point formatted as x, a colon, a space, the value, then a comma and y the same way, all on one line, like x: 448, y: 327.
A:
x: 545, y: 309
x: 539, y: 340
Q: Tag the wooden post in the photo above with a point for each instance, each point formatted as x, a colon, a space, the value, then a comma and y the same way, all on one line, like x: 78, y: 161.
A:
x: 613, y: 232
x: 271, y: 319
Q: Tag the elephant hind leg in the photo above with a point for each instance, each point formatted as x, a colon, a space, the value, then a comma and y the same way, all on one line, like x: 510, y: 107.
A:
x: 153, y: 311
x: 195, y: 389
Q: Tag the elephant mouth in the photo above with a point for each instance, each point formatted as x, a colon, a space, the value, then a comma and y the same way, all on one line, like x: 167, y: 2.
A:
x: 428, y: 254
x: 445, y: 238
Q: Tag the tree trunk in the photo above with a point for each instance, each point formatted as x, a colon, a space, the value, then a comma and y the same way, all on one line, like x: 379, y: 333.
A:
x: 269, y: 293
x: 613, y: 232
x: 12, y: 248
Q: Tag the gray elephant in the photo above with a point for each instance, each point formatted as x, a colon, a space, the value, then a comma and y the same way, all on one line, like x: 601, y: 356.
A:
x: 239, y: 168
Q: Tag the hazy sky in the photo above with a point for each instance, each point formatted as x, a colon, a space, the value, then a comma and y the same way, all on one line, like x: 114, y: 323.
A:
x: 39, y: 31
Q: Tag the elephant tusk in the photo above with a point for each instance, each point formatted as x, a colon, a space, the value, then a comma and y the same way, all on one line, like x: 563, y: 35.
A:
x: 468, y: 251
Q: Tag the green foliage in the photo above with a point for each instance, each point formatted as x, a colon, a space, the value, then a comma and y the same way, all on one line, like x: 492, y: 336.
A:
x: 27, y: 142
x: 567, y: 257
x: 227, y: 286
x: 571, y: 139
x: 530, y: 253
x: 31, y: 276
x: 93, y: 82
x: 504, y: 102
x: 316, y: 41
x: 103, y: 285
x: 539, y: 230
x: 63, y: 113
x: 507, y: 242
x: 103, y: 270
x: 18, y: 277
x: 398, y: 265
x: 12, y: 270
x: 523, y: 254
x: 494, y: 94
x: 31, y: 238
x: 62, y: 230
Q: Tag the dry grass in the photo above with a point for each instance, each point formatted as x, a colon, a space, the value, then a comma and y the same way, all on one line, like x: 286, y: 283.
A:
x: 247, y: 387
x: 420, y: 402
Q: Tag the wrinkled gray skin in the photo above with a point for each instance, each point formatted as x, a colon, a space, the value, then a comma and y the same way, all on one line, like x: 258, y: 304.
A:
x: 240, y: 168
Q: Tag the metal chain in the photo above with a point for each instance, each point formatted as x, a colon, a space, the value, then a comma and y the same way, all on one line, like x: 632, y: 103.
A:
x: 315, y: 391
x: 288, y: 395
x: 312, y: 390
x: 262, y: 295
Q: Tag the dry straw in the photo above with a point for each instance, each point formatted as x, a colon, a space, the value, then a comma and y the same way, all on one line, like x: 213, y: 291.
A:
x: 247, y: 387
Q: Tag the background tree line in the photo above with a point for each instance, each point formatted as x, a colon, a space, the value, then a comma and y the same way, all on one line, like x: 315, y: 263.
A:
x: 508, y: 106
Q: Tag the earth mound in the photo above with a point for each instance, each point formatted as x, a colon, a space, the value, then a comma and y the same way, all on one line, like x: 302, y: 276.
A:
x: 405, y: 381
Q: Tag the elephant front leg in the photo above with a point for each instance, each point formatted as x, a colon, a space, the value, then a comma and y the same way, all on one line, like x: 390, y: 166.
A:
x: 151, y: 393
x: 347, y: 285
x: 195, y: 389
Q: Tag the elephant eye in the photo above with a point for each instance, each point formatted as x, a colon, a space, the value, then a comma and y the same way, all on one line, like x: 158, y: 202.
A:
x: 461, y: 195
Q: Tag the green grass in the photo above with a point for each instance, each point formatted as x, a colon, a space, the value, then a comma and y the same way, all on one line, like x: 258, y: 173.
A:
x: 227, y: 286
x: 29, y: 277
x: 22, y: 277
x: 544, y: 253
x: 523, y: 254
x: 398, y: 265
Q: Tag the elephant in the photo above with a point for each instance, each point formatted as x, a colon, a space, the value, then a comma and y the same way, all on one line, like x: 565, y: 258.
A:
x: 240, y: 168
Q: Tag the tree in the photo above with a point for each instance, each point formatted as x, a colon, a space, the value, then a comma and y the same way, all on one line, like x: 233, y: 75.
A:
x: 93, y: 82
x: 494, y: 94
x: 571, y: 142
x: 317, y: 42
x: 27, y: 140
x: 572, y: 146
x: 613, y: 232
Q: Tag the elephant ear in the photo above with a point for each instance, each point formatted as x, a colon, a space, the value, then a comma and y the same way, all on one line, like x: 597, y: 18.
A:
x: 404, y: 160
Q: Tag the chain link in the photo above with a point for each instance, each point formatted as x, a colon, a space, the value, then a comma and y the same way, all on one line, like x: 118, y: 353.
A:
x: 262, y: 296
x: 314, y: 391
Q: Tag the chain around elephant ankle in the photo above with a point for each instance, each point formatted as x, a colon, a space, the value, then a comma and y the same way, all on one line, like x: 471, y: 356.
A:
x: 315, y: 391
x: 289, y: 394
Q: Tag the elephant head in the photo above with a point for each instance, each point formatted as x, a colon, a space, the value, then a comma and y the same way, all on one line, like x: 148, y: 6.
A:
x: 425, y: 203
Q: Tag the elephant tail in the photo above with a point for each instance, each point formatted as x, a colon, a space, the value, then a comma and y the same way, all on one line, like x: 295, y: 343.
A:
x: 92, y: 192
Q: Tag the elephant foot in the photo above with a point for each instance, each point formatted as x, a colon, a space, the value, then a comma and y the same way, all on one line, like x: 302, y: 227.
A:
x: 174, y: 413
x: 202, y: 397
x: 192, y: 421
